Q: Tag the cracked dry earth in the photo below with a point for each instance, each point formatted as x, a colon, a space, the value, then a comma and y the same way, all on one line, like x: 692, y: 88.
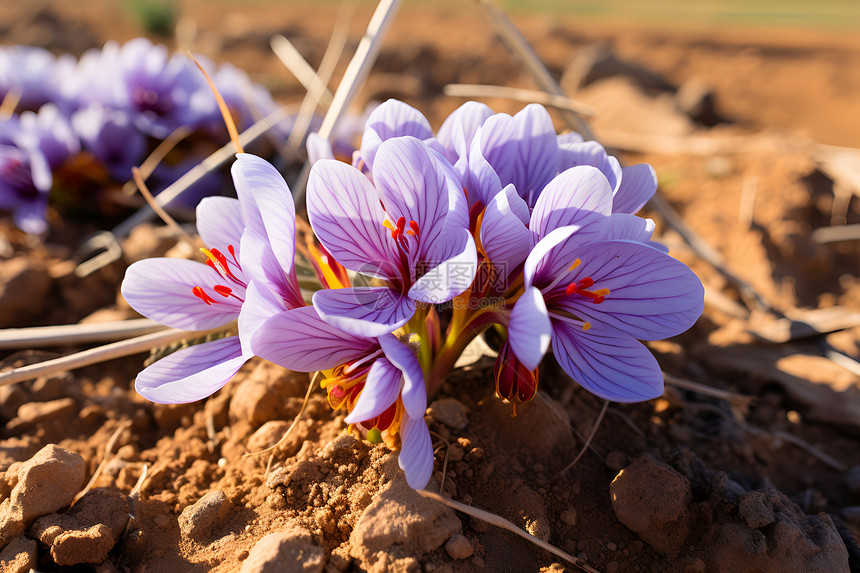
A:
x: 687, y: 482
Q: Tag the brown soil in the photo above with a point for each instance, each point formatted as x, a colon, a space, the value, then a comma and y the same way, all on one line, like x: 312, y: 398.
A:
x: 723, y: 485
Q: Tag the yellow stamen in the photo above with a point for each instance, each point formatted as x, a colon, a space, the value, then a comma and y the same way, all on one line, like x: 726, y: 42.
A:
x: 209, y: 255
x: 414, y: 338
x: 586, y: 326
x: 389, y: 225
x: 322, y: 263
x: 602, y: 292
x: 575, y: 264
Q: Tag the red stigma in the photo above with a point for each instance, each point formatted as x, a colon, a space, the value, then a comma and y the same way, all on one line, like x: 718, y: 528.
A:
x: 201, y: 294
x: 224, y: 291
x: 579, y: 288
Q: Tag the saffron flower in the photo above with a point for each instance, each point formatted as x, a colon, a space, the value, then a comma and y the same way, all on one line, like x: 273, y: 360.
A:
x: 524, y: 150
x: 594, y: 287
x: 408, y: 229
x: 248, y: 275
x: 376, y: 379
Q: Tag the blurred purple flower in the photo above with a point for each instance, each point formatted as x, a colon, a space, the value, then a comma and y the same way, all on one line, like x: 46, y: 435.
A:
x: 25, y: 181
x: 27, y: 73
x: 50, y: 132
x: 111, y: 137
x: 408, y: 229
x: 248, y: 276
x: 378, y: 380
x: 158, y: 88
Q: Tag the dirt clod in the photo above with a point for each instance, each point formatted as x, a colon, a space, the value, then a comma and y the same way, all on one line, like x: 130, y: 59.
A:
x: 19, y: 556
x: 199, y: 520
x: 46, y: 482
x: 88, y: 531
x: 754, y: 510
x: 400, y: 519
x: 451, y: 412
x: 651, y: 499
x: 458, y: 547
x: 288, y: 551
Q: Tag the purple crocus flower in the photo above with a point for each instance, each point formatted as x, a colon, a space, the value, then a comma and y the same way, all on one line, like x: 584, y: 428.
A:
x: 594, y: 288
x: 111, y: 137
x: 408, y: 229
x: 27, y: 73
x: 510, y: 230
x: 50, y: 131
x: 25, y: 181
x: 158, y: 88
x: 377, y: 379
x: 248, y: 276
x: 525, y: 151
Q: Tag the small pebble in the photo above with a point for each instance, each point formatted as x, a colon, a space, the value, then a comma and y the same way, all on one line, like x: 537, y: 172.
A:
x: 450, y: 412
x: 458, y: 547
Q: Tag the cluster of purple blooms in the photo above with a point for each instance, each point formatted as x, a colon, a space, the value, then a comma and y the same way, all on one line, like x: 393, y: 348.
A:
x: 420, y: 226
x: 111, y: 106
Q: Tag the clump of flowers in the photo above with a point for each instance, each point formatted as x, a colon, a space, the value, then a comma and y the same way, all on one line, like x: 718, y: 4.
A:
x: 422, y: 243
x: 75, y: 127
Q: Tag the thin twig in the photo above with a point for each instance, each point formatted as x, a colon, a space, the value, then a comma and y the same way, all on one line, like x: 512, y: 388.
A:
x: 518, y: 94
x: 96, y: 355
x: 518, y: 44
x: 494, y: 519
x: 741, y: 400
x: 134, y: 497
x: 164, y: 215
x: 70, y: 334
x: 317, y: 91
x: 157, y: 156
x: 9, y: 103
x: 300, y: 68
x: 229, y: 122
x: 836, y: 234
x: 106, y: 457
x: 293, y: 425
x: 588, y: 441
x: 203, y: 168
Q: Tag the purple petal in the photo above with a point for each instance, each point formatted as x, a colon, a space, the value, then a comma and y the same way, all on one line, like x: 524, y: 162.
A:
x: 593, y: 154
x: 344, y: 211
x: 219, y: 222
x: 612, y: 366
x: 651, y: 295
x: 300, y: 340
x: 260, y: 265
x: 416, y: 452
x: 459, y: 129
x: 625, y: 227
x: 638, y: 185
x: 522, y: 149
x: 569, y: 198
x: 414, y: 393
x: 275, y: 203
x: 453, y: 275
x: 191, y: 374
x: 318, y: 148
x: 530, y: 331
x: 391, y: 119
x: 161, y: 289
x: 411, y: 185
x: 504, y: 236
x: 260, y: 305
x: 480, y: 180
x: 364, y: 311
x: 381, y: 389
x: 568, y: 138
x: 553, y: 255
